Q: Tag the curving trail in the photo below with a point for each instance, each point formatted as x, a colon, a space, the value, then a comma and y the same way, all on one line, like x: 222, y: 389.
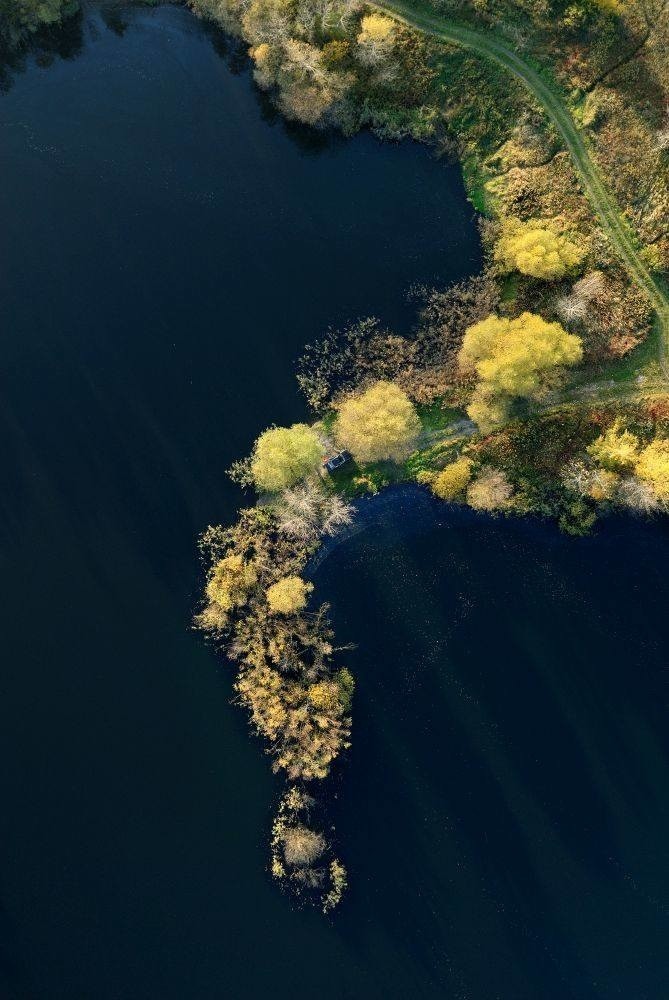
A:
x: 550, y: 98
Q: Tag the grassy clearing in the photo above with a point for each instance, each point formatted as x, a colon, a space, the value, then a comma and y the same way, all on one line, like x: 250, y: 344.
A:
x: 437, y: 416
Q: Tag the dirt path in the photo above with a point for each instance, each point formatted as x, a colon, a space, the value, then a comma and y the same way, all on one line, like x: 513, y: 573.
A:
x: 551, y: 99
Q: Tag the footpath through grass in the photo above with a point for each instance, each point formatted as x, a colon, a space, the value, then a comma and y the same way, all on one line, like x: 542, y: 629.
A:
x: 549, y: 96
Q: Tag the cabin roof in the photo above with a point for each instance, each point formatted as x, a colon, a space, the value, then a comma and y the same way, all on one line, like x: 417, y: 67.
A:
x: 336, y: 461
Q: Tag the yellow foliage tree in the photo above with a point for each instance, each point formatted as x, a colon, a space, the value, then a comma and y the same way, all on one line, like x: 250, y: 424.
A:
x: 380, y: 423
x: 376, y: 38
x: 486, y: 409
x: 535, y: 249
x: 617, y: 449
x: 514, y: 357
x: 452, y: 481
x: 262, y: 20
x: 230, y: 582
x: 266, y: 64
x: 333, y: 695
x: 288, y: 595
x: 652, y: 467
x: 284, y: 455
x: 262, y: 691
x: 491, y: 490
x: 325, y: 695
x: 603, y: 484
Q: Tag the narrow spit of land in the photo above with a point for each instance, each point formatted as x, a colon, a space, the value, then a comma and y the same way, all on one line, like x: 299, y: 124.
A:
x: 549, y: 96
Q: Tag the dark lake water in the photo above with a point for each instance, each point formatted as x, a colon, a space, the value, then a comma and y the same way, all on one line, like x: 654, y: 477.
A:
x: 505, y: 808
x: 166, y: 249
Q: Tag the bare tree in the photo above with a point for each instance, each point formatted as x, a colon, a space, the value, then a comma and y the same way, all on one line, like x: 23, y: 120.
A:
x: 302, y: 846
x: 307, y: 511
x: 574, y: 307
x: 639, y: 496
x: 576, y: 477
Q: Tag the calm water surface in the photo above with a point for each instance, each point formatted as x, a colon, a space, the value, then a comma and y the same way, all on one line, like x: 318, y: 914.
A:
x: 166, y: 249
x: 505, y: 808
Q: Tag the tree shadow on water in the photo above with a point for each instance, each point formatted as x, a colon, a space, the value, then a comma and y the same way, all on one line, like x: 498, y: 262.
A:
x: 309, y: 140
x: 112, y: 18
x: 234, y: 53
x: 65, y: 41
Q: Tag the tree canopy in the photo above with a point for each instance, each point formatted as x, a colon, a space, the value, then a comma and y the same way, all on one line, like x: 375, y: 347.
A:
x: 376, y: 38
x: 284, y: 455
x: 652, y: 467
x: 535, y: 249
x: 452, y: 481
x: 617, y: 449
x: 302, y: 846
x: 288, y: 595
x: 229, y: 583
x: 380, y: 423
x: 491, y: 490
x: 514, y: 357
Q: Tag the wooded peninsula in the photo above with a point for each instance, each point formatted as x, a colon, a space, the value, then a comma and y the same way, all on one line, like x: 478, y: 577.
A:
x: 539, y: 386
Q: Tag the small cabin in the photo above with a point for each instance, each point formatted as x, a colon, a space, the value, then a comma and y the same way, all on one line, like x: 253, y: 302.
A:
x: 337, y: 461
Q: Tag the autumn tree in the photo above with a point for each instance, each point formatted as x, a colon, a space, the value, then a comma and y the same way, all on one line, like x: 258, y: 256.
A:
x: 376, y: 39
x: 334, y: 692
x: 535, y: 249
x: 266, y: 64
x: 575, y: 476
x: 302, y: 846
x: 604, y: 484
x: 380, y: 423
x: 491, y: 490
x: 652, y: 467
x: 283, y: 660
x: 301, y: 854
x: 229, y: 584
x: 519, y: 357
x: 586, y: 480
x: 346, y: 683
x: 638, y: 495
x: 617, y: 449
x: 267, y: 21
x: 308, y: 89
x: 338, y: 885
x: 288, y: 595
x: 282, y: 456
x: 452, y: 481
